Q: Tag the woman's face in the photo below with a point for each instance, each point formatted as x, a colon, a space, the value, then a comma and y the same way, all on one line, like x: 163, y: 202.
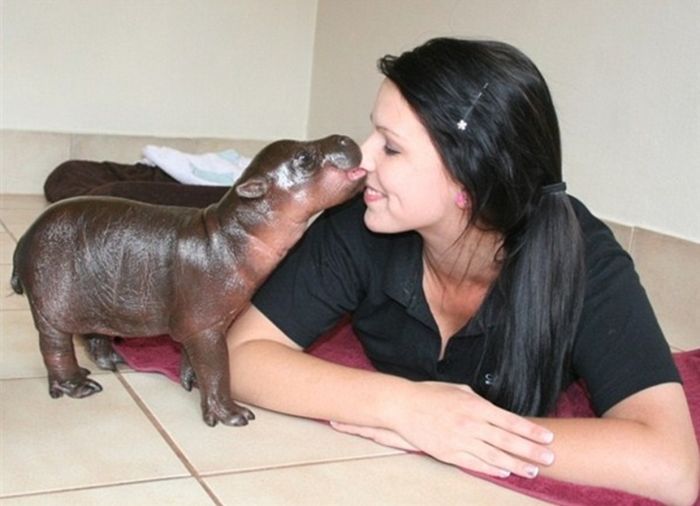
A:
x: 408, y: 187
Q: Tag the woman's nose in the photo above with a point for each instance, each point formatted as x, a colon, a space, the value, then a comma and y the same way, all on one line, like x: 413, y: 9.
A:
x: 368, y: 162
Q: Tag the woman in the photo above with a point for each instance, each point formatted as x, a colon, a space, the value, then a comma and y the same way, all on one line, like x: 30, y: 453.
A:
x: 479, y: 290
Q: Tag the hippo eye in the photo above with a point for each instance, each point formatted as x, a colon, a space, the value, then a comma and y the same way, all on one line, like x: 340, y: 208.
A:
x: 304, y: 160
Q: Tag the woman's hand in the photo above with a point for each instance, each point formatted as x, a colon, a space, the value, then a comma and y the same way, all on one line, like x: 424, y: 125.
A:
x: 455, y: 425
x: 384, y: 437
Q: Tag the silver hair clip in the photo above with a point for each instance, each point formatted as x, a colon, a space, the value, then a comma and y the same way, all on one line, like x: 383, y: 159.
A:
x: 462, y: 123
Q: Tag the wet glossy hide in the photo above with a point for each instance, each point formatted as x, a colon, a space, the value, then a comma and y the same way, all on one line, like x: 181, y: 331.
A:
x: 105, y: 266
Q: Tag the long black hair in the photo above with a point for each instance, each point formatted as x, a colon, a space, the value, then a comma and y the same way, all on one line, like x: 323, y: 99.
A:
x: 490, y: 116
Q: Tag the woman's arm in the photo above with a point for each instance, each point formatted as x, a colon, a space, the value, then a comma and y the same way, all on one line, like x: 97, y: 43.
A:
x: 644, y: 444
x: 269, y: 370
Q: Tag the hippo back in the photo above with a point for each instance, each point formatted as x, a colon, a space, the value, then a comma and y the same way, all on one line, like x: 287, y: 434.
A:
x: 88, y: 262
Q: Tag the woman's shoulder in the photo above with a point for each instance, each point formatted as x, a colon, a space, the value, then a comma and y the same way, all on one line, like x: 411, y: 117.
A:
x: 616, y: 318
x: 599, y: 240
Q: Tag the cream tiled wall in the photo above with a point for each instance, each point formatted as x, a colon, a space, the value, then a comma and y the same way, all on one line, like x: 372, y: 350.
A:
x: 668, y: 266
x: 28, y: 157
x: 670, y: 270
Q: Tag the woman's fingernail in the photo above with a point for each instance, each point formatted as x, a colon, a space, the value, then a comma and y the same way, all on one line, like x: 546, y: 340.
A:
x: 548, y: 437
x: 503, y: 473
x: 532, y: 471
x: 547, y: 458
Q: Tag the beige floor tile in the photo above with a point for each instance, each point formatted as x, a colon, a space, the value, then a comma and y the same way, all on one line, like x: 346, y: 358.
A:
x: 8, y: 298
x: 270, y: 440
x: 17, y: 221
x: 19, y: 348
x: 28, y: 157
x: 670, y: 271
x: 404, y: 480
x: 7, y: 247
x: 54, y: 444
x: 176, y: 492
x: 22, y: 201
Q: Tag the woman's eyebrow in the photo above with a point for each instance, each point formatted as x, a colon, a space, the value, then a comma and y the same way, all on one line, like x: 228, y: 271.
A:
x: 385, y: 129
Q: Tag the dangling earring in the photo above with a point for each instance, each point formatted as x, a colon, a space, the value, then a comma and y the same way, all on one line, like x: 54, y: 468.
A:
x: 461, y: 199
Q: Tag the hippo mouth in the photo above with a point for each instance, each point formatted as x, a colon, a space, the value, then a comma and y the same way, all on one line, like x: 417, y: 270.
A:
x: 349, y: 163
x: 352, y: 173
x: 356, y: 173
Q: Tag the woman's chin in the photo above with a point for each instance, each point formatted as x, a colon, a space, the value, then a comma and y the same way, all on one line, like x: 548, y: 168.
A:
x: 380, y: 223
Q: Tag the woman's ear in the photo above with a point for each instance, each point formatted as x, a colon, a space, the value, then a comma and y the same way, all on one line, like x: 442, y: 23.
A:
x: 461, y: 199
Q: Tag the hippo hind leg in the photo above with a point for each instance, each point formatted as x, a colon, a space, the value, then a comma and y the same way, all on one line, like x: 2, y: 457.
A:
x: 101, y: 351
x: 188, y: 378
x: 65, y: 375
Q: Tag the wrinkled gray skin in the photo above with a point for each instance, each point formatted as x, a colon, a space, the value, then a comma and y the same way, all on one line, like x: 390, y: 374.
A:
x: 105, y: 266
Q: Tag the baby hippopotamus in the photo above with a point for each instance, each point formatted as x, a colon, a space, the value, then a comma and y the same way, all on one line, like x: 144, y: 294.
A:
x: 114, y: 267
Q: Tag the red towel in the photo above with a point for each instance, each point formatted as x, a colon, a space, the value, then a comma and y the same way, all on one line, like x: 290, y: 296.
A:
x: 161, y: 354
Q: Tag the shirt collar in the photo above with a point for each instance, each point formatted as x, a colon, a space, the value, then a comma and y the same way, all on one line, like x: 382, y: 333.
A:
x: 403, y: 282
x: 404, y: 270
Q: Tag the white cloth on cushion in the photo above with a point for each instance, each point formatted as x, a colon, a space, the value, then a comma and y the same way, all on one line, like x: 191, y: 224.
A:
x: 213, y: 169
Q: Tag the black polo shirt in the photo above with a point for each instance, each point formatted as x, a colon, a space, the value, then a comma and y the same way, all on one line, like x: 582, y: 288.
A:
x: 340, y: 268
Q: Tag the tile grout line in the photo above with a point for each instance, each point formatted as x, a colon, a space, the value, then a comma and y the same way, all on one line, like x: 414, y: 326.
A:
x: 15, y: 495
x: 169, y: 441
x: 339, y: 460
x: 200, y: 477
x: 7, y: 230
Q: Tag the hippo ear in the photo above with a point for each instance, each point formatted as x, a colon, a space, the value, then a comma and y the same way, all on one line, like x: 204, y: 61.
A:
x: 254, y: 188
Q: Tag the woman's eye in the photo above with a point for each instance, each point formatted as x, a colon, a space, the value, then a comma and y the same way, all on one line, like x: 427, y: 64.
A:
x: 390, y: 151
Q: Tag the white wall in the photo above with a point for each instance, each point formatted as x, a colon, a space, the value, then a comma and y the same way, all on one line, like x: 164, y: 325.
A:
x: 625, y: 76
x: 218, y: 68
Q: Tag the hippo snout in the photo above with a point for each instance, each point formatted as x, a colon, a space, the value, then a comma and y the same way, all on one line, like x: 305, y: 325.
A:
x: 345, y: 141
x: 343, y: 152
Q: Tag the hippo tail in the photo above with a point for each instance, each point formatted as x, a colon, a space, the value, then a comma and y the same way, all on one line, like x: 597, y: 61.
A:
x: 14, y: 280
x: 16, y: 283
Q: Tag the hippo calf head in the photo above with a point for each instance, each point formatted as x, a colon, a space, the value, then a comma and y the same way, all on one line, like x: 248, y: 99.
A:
x: 300, y: 179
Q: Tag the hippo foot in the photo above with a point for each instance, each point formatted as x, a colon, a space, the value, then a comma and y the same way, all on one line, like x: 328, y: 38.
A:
x: 188, y: 379
x: 109, y: 362
x: 102, y: 353
x: 233, y: 415
x: 76, y: 388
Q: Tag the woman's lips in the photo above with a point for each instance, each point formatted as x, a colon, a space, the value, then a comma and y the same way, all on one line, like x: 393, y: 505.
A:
x: 372, y: 195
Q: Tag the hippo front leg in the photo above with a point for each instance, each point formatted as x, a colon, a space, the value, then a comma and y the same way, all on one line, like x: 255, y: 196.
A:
x: 208, y: 355
x: 65, y: 375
